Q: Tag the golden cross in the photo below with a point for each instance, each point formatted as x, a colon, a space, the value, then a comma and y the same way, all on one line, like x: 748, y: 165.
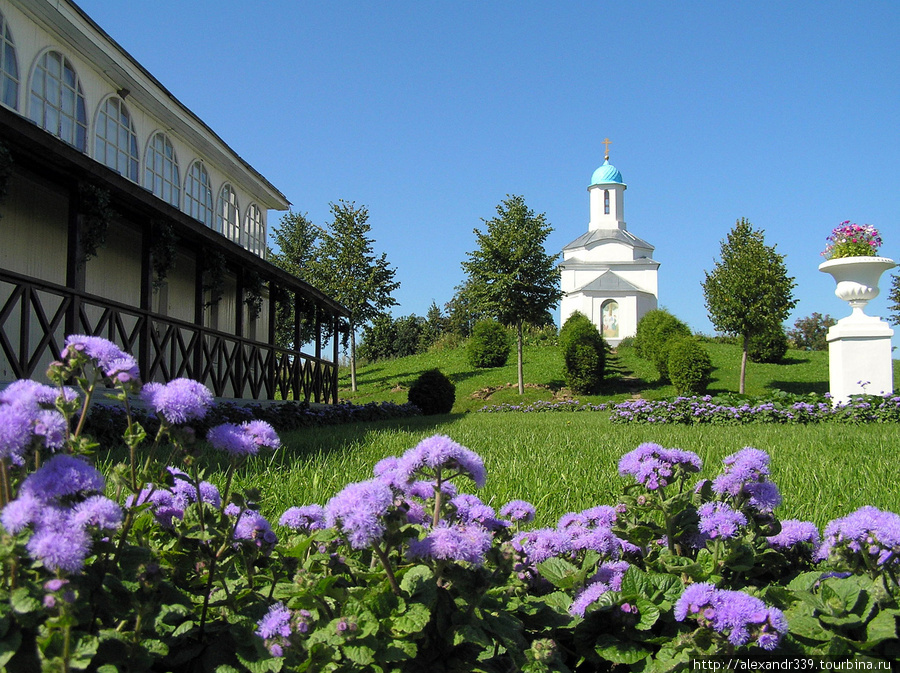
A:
x: 607, y: 142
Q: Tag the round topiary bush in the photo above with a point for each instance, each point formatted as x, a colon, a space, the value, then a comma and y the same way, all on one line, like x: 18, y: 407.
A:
x: 689, y: 366
x: 654, y: 331
x: 433, y: 393
x: 769, y: 346
x: 584, y: 354
x: 489, y: 345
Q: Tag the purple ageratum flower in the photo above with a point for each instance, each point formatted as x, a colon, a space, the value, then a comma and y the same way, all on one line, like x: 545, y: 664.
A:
x: 304, y: 519
x: 63, y: 475
x: 388, y: 469
x: 470, y: 509
x: 52, y: 426
x: 540, y: 544
x: 244, y: 439
x: 794, y: 533
x: 115, y: 363
x: 22, y: 512
x: 425, y: 489
x: 358, y: 512
x: 587, y: 597
x: 518, y: 511
x: 60, y: 548
x: 276, y: 622
x: 719, y: 521
x: 254, y: 527
x: 178, y: 401
x: 442, y: 453
x: 764, y: 496
x: 600, y: 540
x: 33, y: 394
x: 654, y: 467
x: 738, y: 616
x: 607, y: 578
x: 16, y: 425
x: 453, y: 543
x: 746, y: 466
x: 867, y: 531
x: 97, y: 511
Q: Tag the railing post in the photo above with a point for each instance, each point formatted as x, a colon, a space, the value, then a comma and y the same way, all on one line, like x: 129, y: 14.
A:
x: 75, y: 276
x: 335, y: 354
x: 297, y: 369
x: 197, y: 355
x: 143, y: 349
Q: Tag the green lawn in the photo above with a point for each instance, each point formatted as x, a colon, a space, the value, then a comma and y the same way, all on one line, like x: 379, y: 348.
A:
x: 567, y: 461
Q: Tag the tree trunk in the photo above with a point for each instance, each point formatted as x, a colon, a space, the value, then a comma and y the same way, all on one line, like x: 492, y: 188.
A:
x: 744, y: 363
x: 352, y: 358
x: 519, y: 350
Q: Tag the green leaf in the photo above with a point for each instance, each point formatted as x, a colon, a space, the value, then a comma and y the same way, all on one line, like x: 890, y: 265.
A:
x: 359, y: 654
x: 807, y: 626
x: 22, y: 602
x: 648, y: 613
x: 413, y: 620
x: 398, y: 650
x: 882, y: 627
x: 559, y: 572
x: 636, y: 582
x: 619, y: 651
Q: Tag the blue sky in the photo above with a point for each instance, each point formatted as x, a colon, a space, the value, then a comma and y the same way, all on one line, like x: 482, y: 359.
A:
x: 430, y: 113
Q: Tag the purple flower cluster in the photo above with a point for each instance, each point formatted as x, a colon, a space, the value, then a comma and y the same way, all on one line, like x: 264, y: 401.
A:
x: 718, y: 521
x: 178, y: 401
x: 869, y: 537
x: 275, y: 629
x: 745, y: 479
x: 358, y: 512
x: 518, y: 511
x: 656, y: 467
x: 439, y: 453
x: 454, y: 542
x: 304, y: 519
x: 244, y: 439
x: 607, y: 578
x: 740, y: 617
x: 117, y: 365
x: 252, y: 527
x: 795, y: 535
x: 170, y: 504
x: 544, y: 405
x: 27, y: 414
x: 61, y: 502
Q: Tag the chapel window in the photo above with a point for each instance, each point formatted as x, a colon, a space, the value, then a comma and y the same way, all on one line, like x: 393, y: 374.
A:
x: 115, y: 142
x: 606, y: 202
x: 161, y: 173
x: 228, y: 214
x: 57, y: 101
x: 198, y: 198
x: 9, y: 67
x: 254, y: 236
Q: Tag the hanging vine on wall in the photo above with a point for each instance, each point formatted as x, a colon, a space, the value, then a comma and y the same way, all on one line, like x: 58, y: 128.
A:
x: 163, y: 251
x: 6, y: 164
x: 97, y: 215
x: 214, y: 276
x: 253, y: 289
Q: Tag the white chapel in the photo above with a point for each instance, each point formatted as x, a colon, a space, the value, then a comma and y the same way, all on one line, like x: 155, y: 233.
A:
x: 608, y: 273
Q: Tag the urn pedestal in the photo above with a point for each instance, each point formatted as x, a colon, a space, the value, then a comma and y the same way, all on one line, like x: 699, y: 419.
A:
x: 859, y: 346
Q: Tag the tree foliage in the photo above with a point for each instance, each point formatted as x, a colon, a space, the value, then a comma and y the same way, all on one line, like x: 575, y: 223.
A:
x: 510, y: 276
x: 347, y: 269
x: 810, y: 332
x: 894, y: 298
x: 296, y: 238
x: 748, y: 291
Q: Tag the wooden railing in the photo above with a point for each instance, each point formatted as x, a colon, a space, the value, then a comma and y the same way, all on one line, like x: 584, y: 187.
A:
x: 36, y: 316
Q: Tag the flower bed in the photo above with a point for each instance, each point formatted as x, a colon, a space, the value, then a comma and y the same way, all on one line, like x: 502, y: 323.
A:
x: 731, y: 409
x: 153, y: 568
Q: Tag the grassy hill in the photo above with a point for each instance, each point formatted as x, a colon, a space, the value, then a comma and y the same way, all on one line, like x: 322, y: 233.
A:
x: 627, y: 376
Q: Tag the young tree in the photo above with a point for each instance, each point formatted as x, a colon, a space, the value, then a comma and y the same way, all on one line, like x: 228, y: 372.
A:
x: 348, y: 270
x: 295, y: 237
x: 748, y: 291
x: 810, y: 333
x: 894, y: 298
x: 510, y: 275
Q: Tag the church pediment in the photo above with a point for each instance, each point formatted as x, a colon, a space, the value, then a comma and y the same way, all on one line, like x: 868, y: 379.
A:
x: 610, y: 281
x: 597, y: 237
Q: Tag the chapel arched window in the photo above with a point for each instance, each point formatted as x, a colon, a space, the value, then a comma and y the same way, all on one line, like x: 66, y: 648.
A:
x: 254, y: 236
x: 198, y: 198
x: 9, y: 67
x: 57, y: 101
x: 115, y: 142
x: 228, y: 214
x: 606, y: 202
x: 161, y: 173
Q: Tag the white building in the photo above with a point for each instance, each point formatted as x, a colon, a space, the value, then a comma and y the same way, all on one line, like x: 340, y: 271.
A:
x: 608, y: 273
x: 106, y: 180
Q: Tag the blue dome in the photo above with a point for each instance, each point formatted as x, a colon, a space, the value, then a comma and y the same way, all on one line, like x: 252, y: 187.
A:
x: 606, y: 174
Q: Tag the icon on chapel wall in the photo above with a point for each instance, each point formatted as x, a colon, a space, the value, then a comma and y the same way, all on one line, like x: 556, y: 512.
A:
x: 610, y: 320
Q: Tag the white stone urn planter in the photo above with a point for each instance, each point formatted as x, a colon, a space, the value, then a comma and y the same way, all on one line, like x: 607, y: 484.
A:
x: 857, y: 279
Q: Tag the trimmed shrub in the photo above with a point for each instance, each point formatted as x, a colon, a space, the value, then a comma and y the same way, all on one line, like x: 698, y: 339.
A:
x: 653, y: 333
x: 489, y: 345
x: 433, y: 393
x: 689, y: 366
x: 770, y: 346
x: 584, y: 354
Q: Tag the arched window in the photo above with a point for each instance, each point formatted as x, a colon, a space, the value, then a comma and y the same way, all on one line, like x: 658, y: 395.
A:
x: 115, y: 142
x: 228, y: 214
x: 198, y: 199
x: 9, y: 67
x: 254, y: 237
x: 161, y: 174
x: 610, y: 319
x: 606, y: 202
x: 57, y: 102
